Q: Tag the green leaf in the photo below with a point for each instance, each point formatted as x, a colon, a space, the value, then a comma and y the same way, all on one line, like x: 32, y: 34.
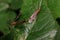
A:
x: 54, y: 7
x: 3, y: 6
x: 9, y: 36
x: 6, y: 1
x: 5, y: 19
x: 43, y: 25
x: 16, y: 4
x: 28, y: 7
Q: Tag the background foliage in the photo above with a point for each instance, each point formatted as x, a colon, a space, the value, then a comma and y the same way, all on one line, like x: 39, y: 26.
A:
x: 44, y: 27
